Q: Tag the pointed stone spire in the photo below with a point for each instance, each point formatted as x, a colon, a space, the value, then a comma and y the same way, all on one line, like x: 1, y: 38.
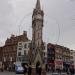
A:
x: 38, y: 4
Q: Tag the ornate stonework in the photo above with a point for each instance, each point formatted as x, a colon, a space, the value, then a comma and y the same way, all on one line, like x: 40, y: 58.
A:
x: 37, y: 28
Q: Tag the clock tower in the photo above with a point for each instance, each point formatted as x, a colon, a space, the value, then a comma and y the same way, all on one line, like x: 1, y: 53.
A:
x: 37, y: 28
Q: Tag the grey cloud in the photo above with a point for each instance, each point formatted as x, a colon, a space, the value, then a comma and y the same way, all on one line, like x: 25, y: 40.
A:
x: 5, y: 8
x: 56, y: 12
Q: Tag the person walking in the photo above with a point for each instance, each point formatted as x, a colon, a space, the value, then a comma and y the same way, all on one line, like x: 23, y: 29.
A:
x: 39, y: 70
x: 46, y: 67
x: 25, y: 69
x: 29, y: 69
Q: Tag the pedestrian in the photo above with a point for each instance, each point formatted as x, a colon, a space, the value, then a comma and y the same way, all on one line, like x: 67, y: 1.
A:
x: 29, y: 69
x: 46, y: 68
x: 25, y: 69
x: 39, y: 69
x: 9, y: 67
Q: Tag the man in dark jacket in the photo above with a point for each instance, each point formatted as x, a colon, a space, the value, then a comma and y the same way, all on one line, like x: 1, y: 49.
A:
x: 39, y: 70
x: 25, y: 69
x: 29, y: 70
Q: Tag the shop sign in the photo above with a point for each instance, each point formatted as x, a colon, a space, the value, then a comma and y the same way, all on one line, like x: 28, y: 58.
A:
x: 59, y: 62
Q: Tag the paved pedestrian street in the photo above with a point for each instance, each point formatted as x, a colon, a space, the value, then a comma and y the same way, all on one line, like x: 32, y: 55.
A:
x: 12, y: 73
x: 9, y: 73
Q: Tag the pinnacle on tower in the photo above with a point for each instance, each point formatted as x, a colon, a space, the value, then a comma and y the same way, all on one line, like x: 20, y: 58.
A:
x: 38, y: 4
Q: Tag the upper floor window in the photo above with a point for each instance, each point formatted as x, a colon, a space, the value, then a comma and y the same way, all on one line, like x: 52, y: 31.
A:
x: 20, y: 48
x: 44, y: 54
x: 29, y: 45
x: 20, y: 43
x: 38, y: 36
x: 24, y: 52
x: 19, y: 53
x: 38, y: 43
x: 52, y: 58
x: 19, y: 59
x: 25, y: 46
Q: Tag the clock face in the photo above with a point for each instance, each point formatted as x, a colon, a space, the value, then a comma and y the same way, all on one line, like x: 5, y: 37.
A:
x: 39, y: 16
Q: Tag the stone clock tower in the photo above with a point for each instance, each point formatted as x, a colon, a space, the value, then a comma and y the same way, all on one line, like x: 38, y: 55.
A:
x: 37, y: 28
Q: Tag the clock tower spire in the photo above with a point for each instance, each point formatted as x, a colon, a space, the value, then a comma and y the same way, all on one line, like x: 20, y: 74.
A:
x: 38, y: 4
x: 37, y: 28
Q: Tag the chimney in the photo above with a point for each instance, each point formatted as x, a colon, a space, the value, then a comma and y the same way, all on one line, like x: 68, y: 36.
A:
x: 12, y: 35
x: 25, y: 33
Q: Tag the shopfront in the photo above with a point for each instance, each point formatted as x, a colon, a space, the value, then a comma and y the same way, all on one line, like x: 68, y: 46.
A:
x: 58, y: 65
x: 66, y: 66
x: 51, y: 65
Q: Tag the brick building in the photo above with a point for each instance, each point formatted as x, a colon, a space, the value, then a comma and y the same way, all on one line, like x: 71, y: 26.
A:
x: 58, y: 57
x: 54, y: 56
x: 66, y: 58
x: 9, y: 50
x: 72, y: 58
x: 50, y: 56
x: 1, y: 54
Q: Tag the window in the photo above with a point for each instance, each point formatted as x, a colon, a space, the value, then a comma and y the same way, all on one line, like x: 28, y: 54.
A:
x: 19, y: 53
x: 29, y: 45
x: 19, y: 59
x: 24, y: 52
x: 60, y: 57
x: 38, y: 36
x: 52, y: 52
x: 20, y: 43
x: 25, y: 46
x: 44, y: 54
x: 52, y: 58
x: 20, y: 48
x: 38, y: 43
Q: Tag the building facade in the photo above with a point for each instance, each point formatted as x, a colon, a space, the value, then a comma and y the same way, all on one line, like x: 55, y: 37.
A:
x: 23, y: 48
x: 9, y: 50
x: 71, y: 58
x: 1, y: 54
x: 58, y: 57
x: 45, y: 53
x: 22, y: 52
x: 74, y: 58
x: 66, y: 58
x: 50, y: 56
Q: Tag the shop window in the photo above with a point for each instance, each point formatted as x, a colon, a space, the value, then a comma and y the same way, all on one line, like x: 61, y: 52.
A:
x: 52, y: 58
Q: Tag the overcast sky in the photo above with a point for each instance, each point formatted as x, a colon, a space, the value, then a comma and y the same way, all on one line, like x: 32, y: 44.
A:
x: 59, y: 20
